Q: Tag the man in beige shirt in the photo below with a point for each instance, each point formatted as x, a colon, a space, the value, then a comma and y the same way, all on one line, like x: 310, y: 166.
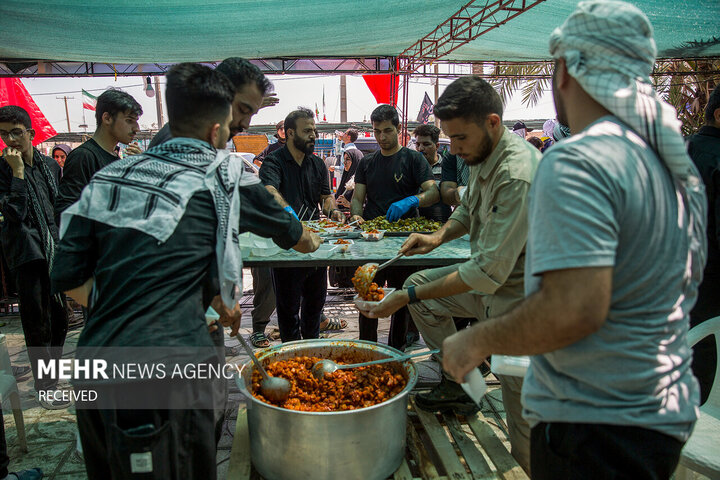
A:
x: 494, y: 213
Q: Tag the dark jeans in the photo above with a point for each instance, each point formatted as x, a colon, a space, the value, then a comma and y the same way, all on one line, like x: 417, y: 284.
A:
x: 400, y: 321
x: 4, y: 459
x: 181, y: 444
x: 44, y: 320
x: 263, y: 298
x: 299, y: 297
x: 704, y: 352
x: 579, y: 451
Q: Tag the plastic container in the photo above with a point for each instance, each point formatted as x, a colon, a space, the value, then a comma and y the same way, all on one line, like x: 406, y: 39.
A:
x: 342, y: 247
x: 474, y: 385
x: 373, y: 237
x: 509, y: 365
x: 368, y: 304
x: 324, y: 251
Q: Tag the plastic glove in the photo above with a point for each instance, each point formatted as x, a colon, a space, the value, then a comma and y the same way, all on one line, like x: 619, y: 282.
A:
x: 401, y: 207
x: 290, y: 210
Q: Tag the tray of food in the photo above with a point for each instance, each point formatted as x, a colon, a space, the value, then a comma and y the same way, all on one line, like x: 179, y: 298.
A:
x: 402, y: 227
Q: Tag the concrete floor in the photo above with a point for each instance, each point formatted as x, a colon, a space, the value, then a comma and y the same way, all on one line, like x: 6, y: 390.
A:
x: 51, y: 434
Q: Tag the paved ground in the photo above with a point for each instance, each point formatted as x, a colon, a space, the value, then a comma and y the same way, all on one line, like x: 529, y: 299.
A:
x: 51, y: 435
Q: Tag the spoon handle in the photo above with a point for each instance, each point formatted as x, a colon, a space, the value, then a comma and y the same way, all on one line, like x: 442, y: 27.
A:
x: 390, y: 359
x: 389, y: 262
x: 252, y: 356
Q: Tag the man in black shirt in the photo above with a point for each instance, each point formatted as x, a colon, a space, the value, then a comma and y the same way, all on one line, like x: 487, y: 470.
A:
x: 280, y: 135
x: 387, y: 183
x: 116, y: 114
x: 427, y: 138
x: 299, y: 181
x: 150, y: 256
x: 28, y: 186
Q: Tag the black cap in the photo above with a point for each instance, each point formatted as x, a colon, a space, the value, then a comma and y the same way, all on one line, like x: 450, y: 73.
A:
x: 520, y: 126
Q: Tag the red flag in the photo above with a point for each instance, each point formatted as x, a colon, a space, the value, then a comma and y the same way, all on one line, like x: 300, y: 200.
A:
x: 382, y: 86
x: 13, y: 92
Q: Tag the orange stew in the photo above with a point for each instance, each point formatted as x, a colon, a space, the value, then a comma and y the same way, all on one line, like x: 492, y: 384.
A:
x: 341, y: 390
x: 373, y: 231
x: 366, y: 288
x: 342, y: 242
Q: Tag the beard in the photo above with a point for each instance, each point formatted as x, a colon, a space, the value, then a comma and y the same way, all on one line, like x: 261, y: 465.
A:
x: 484, y: 150
x: 559, y: 106
x: 304, y: 146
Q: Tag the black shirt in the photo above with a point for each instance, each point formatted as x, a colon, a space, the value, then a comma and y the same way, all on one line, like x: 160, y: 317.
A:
x: 162, y: 136
x: 148, y: 293
x: 268, y: 150
x: 21, y: 238
x: 300, y: 185
x: 450, y: 166
x: 81, y: 164
x: 389, y: 179
x: 440, y: 212
x: 704, y: 149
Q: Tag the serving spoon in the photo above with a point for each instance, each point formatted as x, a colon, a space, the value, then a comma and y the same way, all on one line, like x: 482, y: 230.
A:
x: 275, y: 389
x: 369, y: 271
x: 328, y: 366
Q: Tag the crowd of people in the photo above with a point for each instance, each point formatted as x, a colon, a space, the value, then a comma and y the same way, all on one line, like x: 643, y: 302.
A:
x: 593, y: 249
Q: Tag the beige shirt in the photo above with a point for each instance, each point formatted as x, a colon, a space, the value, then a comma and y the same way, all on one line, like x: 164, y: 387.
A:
x: 494, y: 210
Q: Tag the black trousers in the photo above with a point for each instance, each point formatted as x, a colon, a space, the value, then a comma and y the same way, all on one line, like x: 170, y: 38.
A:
x: 263, y: 298
x: 401, y: 321
x: 44, y: 320
x: 705, y: 352
x: 148, y: 444
x: 4, y: 459
x: 299, y: 298
x: 579, y: 451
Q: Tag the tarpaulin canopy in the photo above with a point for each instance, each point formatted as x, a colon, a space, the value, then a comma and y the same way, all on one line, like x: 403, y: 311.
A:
x: 133, y: 31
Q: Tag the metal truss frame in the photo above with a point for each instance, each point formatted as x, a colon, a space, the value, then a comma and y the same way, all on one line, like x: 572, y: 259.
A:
x: 277, y: 66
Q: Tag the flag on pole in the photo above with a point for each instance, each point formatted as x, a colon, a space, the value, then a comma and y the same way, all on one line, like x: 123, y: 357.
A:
x: 89, y: 100
x: 426, y: 109
x: 324, y: 117
x: 317, y: 111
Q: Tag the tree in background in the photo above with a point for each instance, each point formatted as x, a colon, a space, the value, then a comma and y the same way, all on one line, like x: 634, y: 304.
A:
x: 685, y: 84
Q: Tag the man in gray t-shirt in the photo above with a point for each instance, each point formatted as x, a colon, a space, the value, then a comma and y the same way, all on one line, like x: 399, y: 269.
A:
x: 615, y: 253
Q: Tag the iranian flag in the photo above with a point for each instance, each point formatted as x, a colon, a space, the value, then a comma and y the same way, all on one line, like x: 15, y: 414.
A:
x: 89, y: 100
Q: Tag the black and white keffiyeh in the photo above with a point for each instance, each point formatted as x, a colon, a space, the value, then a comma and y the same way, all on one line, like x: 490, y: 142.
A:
x: 150, y: 192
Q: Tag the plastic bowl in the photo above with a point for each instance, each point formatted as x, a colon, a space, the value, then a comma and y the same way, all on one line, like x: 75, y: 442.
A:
x: 324, y: 251
x: 367, y: 304
x: 373, y: 237
x: 342, y: 247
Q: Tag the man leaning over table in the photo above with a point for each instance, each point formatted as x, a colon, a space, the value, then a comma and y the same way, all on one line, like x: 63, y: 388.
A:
x: 387, y: 183
x: 299, y: 181
x: 616, y: 249
x: 146, y: 262
x: 494, y: 213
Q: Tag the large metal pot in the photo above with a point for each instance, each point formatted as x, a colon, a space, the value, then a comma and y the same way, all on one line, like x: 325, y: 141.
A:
x: 363, y: 444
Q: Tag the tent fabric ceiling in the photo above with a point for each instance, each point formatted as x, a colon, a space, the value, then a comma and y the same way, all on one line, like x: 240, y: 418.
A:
x: 125, y: 31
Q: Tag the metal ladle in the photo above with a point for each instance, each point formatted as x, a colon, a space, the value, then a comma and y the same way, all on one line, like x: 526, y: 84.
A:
x: 328, y: 366
x: 275, y: 389
x: 368, y: 266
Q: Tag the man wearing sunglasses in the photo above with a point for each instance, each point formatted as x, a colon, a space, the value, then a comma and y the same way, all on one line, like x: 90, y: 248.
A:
x: 28, y: 188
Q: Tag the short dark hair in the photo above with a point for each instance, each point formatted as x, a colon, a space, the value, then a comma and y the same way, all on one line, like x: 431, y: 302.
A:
x: 536, y: 142
x: 428, y: 131
x: 15, y: 114
x: 352, y: 133
x: 196, y: 96
x: 295, y: 115
x: 114, y: 101
x: 712, y: 105
x: 241, y: 72
x: 385, y: 112
x: 469, y: 97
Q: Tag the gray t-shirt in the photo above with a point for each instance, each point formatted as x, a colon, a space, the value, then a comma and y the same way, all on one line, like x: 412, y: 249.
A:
x: 604, y: 199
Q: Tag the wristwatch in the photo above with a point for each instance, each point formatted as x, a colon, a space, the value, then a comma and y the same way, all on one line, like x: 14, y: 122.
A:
x: 411, y: 294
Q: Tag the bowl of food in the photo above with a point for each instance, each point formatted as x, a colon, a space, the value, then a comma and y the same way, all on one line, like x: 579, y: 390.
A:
x: 373, y: 235
x: 343, y: 244
x: 373, y: 298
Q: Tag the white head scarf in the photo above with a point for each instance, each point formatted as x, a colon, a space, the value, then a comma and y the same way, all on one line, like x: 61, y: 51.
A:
x: 609, y: 49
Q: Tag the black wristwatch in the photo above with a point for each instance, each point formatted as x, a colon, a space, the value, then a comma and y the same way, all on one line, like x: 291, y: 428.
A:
x: 411, y: 294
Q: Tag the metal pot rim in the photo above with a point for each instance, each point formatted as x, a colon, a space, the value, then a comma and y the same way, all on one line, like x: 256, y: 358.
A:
x: 320, y: 342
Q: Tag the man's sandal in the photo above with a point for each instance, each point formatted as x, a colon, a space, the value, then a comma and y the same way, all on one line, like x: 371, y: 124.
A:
x: 334, y: 324
x: 259, y: 340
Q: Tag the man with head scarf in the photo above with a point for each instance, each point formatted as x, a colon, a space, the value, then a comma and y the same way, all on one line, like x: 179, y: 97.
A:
x: 615, y: 253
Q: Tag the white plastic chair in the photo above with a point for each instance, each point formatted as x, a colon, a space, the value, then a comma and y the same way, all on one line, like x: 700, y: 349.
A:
x: 8, y: 389
x: 701, y: 453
